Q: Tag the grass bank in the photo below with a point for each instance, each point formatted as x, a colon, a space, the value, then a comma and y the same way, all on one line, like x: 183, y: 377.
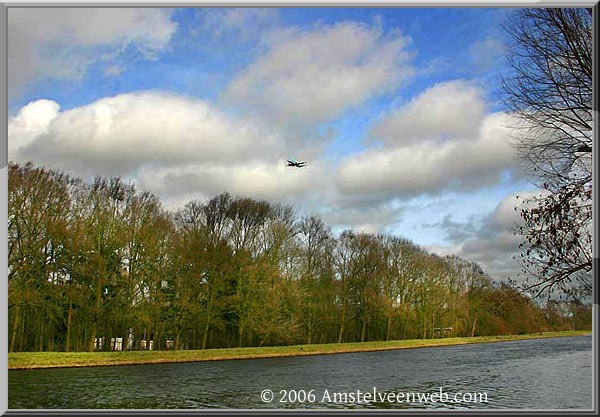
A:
x: 33, y: 360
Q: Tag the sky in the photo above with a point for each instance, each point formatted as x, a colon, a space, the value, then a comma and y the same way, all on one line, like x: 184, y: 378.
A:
x: 397, y: 112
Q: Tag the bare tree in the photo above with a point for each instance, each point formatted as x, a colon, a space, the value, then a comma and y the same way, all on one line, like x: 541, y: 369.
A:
x: 550, y: 91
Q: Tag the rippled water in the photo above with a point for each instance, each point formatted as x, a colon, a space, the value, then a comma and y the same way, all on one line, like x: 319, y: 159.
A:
x: 540, y: 374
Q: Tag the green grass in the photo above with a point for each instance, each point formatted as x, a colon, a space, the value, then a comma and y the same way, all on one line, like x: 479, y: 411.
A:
x: 32, y: 360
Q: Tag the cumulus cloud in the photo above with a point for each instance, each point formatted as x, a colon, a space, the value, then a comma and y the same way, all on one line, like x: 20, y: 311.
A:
x: 451, y: 109
x: 32, y: 121
x: 269, y: 180
x: 63, y: 42
x: 311, y: 76
x: 177, y: 147
x: 434, y: 152
x: 180, y: 146
x: 119, y: 135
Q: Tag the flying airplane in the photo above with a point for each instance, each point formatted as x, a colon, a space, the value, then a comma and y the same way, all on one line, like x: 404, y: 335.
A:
x: 296, y: 164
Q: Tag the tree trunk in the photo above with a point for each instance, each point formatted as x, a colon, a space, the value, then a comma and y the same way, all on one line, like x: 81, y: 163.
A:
x: 14, y: 329
x: 69, y: 316
x: 343, y: 322
x: 208, y: 320
x: 241, y: 333
x: 22, y: 334
x: 404, y: 329
x: 176, y: 341
x: 389, y: 328
x: 41, y: 335
x: 474, y: 324
x: 92, y: 340
x: 157, y: 336
x: 126, y: 339
x: 364, y: 330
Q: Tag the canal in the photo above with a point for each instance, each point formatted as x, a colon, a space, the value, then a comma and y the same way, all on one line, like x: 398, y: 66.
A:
x: 542, y: 374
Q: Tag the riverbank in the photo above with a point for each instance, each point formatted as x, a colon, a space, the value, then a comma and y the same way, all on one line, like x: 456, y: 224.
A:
x: 35, y: 360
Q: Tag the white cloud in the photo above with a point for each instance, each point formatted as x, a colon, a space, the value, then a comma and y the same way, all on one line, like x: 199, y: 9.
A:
x: 270, y: 180
x: 179, y: 146
x: 450, y: 109
x: 431, y: 167
x: 440, y: 144
x: 176, y: 147
x: 62, y: 42
x: 31, y: 121
x: 118, y: 135
x: 309, y: 77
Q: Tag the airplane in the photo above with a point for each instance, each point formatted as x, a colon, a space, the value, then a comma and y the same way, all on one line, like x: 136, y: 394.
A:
x: 293, y: 163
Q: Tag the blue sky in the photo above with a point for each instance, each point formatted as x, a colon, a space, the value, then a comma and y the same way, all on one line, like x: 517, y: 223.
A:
x: 396, y: 110
x: 441, y: 38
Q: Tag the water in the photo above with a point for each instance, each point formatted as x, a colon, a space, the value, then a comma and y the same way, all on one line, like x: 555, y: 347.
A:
x: 540, y: 374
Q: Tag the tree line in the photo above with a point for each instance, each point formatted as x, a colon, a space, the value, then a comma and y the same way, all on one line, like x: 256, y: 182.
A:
x: 90, y: 264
